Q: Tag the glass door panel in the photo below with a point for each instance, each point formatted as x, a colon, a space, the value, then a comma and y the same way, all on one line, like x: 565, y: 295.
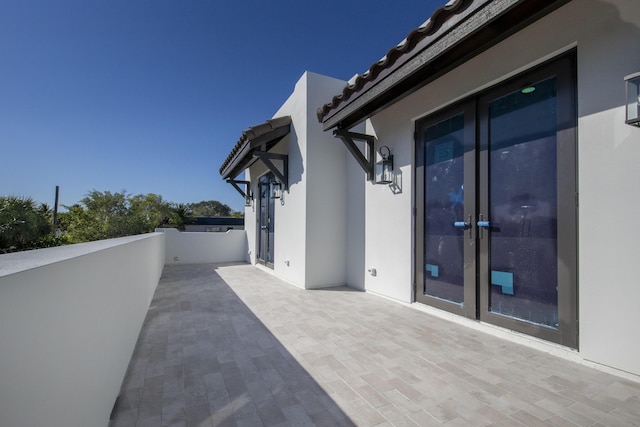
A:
x: 527, y: 188
x: 522, y: 214
x: 444, y: 208
x: 270, y: 225
x: 265, y: 221
x: 262, y: 221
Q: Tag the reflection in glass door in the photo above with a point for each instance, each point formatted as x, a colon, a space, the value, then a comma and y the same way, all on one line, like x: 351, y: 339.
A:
x: 448, y: 155
x: 266, y: 221
x: 444, y: 195
x: 522, y: 204
x: 496, y: 206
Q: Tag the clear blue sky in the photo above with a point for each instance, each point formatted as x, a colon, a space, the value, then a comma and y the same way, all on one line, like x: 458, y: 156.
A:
x: 149, y: 96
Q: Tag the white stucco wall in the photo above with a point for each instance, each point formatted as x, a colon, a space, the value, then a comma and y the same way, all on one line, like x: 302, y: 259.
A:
x: 326, y: 192
x: 290, y: 210
x: 355, y: 242
x: 388, y: 229
x: 310, y: 222
x: 69, y: 321
x: 250, y: 217
x: 609, y: 178
x: 605, y: 34
x: 203, y: 247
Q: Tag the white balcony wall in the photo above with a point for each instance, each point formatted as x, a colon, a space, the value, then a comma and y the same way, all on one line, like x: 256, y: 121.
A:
x: 69, y: 321
x: 70, y: 318
x: 203, y: 247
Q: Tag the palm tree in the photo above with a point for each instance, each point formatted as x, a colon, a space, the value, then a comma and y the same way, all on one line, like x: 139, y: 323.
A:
x: 184, y: 212
x: 22, y: 223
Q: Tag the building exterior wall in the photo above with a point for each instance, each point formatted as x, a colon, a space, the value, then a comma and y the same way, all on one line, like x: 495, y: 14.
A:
x: 388, y: 225
x: 355, y: 203
x: 250, y: 217
x: 290, y: 226
x: 326, y: 171
x: 609, y: 179
x: 307, y: 251
x: 605, y: 35
x: 333, y: 227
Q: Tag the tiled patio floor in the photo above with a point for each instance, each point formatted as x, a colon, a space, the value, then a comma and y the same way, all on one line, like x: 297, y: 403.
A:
x: 232, y: 345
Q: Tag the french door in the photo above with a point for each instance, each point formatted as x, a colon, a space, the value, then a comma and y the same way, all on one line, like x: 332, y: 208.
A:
x: 266, y: 220
x: 496, y: 205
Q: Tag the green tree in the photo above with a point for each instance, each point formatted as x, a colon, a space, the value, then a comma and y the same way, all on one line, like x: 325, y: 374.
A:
x: 106, y: 215
x: 25, y: 225
x: 99, y: 215
x: 211, y: 208
x: 184, y: 212
x: 150, y: 211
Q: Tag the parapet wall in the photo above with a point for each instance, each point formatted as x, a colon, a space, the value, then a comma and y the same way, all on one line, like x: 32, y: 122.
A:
x: 70, y: 317
x: 204, y: 247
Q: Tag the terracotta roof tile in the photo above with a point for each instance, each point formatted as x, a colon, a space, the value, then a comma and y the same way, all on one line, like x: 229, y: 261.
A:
x: 252, y: 133
x: 406, y: 46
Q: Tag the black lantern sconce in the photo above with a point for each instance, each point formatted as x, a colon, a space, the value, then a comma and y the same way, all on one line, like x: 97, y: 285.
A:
x: 384, y: 168
x: 632, y: 109
x: 276, y: 190
x: 248, y: 199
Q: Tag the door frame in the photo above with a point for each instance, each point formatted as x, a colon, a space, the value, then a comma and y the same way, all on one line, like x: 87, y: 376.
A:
x: 266, y: 180
x: 476, y: 304
x: 564, y: 70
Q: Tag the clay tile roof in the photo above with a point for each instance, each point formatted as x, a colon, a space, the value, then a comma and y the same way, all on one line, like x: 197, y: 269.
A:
x: 455, y: 32
x: 406, y: 46
x: 267, y: 133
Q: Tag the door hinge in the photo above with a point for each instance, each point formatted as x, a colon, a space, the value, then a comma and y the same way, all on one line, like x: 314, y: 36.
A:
x: 577, y: 199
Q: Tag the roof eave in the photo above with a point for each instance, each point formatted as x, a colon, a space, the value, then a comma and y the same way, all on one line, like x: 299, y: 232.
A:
x: 476, y: 28
x: 234, y: 168
x: 263, y: 136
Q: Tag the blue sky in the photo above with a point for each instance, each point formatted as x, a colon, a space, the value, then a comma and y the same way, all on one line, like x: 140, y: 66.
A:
x: 149, y: 96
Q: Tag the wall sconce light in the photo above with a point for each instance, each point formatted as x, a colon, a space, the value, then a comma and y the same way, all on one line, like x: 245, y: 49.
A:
x: 633, y: 99
x: 276, y: 190
x: 248, y: 199
x: 384, y: 168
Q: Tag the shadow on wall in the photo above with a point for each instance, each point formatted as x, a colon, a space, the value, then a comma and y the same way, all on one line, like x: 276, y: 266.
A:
x: 396, y: 185
x: 296, y: 166
x: 600, y: 83
x: 203, y: 357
